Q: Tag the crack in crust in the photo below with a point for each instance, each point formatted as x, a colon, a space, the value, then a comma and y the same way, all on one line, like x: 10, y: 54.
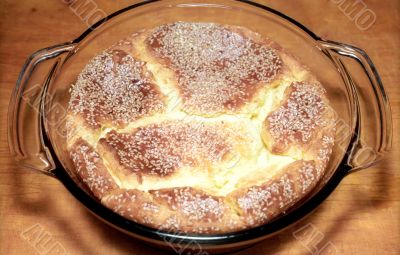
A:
x: 90, y: 168
x: 114, y: 87
x: 299, y: 119
x: 189, y: 209
x: 261, y: 203
x: 159, y: 149
x: 218, y: 69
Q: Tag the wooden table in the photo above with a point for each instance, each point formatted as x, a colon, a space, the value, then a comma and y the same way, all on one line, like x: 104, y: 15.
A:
x: 360, y: 217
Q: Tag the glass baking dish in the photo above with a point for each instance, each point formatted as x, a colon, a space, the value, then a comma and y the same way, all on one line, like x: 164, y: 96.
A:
x: 36, y: 127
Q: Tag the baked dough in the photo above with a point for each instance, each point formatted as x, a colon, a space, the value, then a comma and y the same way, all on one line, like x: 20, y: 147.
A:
x: 199, y: 128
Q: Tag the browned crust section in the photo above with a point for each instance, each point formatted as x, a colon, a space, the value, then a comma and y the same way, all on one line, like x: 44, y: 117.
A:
x: 236, y: 60
x: 183, y: 209
x: 190, y: 209
x: 160, y: 149
x: 187, y: 209
x: 90, y: 168
x: 303, y: 115
x: 260, y: 204
x: 114, y: 89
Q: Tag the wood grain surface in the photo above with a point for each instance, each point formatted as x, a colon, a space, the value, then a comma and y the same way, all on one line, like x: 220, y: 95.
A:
x: 360, y: 217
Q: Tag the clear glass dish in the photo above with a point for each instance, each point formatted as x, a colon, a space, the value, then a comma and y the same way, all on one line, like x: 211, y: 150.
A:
x: 36, y: 128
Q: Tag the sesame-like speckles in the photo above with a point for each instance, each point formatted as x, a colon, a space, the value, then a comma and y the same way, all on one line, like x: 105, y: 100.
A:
x: 123, y: 202
x: 297, y: 119
x: 255, y: 203
x: 148, y: 162
x: 307, y: 176
x: 151, y: 207
x: 171, y: 224
x: 90, y: 169
x: 262, y: 203
x: 217, y: 69
x: 324, y: 152
x: 160, y: 149
x: 194, y: 204
x: 326, y: 148
x: 114, y: 87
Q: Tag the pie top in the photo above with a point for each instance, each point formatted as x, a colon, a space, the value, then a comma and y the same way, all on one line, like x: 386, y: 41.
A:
x: 199, y: 128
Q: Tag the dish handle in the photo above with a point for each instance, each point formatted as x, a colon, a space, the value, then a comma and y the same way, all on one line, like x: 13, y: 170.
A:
x: 373, y: 127
x: 25, y: 136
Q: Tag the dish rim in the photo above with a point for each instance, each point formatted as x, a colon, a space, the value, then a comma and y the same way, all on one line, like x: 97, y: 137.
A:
x: 56, y: 169
x: 132, y: 227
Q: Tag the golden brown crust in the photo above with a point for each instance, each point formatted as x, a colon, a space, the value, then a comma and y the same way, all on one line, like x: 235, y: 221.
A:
x: 177, y: 209
x: 300, y: 118
x: 191, y: 210
x: 261, y: 203
x: 115, y: 89
x: 90, y: 169
x: 223, y: 130
x: 159, y: 149
x: 217, y: 70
